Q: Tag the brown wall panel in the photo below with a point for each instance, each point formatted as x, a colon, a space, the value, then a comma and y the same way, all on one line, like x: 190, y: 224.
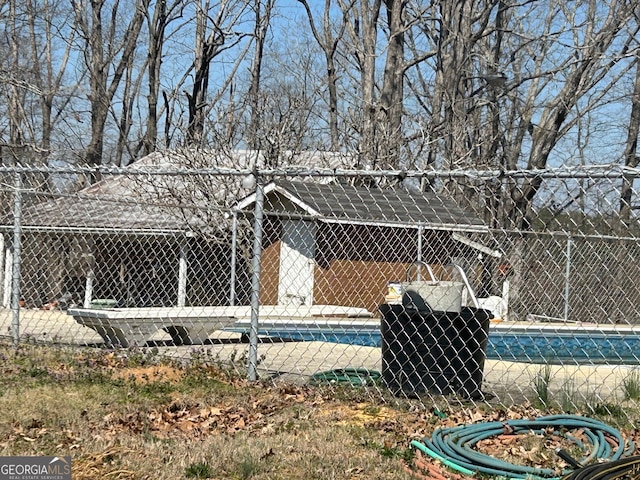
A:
x: 269, y: 274
x: 356, y: 283
x: 354, y: 263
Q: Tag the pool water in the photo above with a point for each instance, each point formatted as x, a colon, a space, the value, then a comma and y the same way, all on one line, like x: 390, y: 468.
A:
x: 578, y: 348
x: 546, y: 344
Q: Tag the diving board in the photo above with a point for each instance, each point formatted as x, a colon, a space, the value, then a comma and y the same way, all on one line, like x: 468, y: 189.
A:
x: 128, y: 327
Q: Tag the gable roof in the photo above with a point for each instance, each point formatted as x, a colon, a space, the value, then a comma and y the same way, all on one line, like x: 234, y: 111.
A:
x: 141, y: 204
x: 339, y: 203
x: 117, y: 203
x: 91, y: 211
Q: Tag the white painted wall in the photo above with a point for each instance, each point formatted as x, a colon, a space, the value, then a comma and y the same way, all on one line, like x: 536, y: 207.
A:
x: 297, y: 253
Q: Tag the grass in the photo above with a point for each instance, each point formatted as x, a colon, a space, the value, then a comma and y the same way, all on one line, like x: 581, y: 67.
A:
x: 199, y: 470
x: 145, y: 417
x: 571, y: 399
x: 135, y: 415
x: 541, y: 382
x: 631, y: 385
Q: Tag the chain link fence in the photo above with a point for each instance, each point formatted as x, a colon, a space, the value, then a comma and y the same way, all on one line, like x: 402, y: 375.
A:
x: 404, y: 284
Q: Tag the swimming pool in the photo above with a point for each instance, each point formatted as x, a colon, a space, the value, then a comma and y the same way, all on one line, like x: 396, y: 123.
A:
x: 516, y: 342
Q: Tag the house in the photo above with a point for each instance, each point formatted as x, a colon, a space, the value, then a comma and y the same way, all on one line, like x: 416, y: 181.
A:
x: 110, y: 240
x: 338, y: 244
x: 139, y: 238
x: 142, y: 239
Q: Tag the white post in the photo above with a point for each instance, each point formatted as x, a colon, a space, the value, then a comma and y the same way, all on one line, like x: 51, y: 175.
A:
x: 505, y: 299
x: 88, y: 248
x: 234, y: 247
x: 567, y: 280
x: 8, y: 269
x: 419, y: 256
x: 182, y: 274
x: 88, y: 285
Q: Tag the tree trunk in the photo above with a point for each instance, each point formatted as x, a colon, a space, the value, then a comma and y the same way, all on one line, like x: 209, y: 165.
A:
x: 102, y: 83
x: 15, y: 147
x: 329, y: 45
x: 157, y: 27
x: 198, y: 95
x: 631, y: 153
x: 260, y: 32
x: 392, y: 93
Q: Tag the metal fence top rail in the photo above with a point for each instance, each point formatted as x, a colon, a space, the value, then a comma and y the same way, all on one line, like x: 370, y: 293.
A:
x: 593, y: 172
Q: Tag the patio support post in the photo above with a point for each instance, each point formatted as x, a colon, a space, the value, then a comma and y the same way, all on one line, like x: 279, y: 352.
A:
x: 182, y: 273
x: 506, y: 285
x: 88, y: 284
x: 234, y: 246
x: 89, y: 246
x: 567, y: 279
x: 15, y: 274
x: 419, y: 256
x: 255, y: 279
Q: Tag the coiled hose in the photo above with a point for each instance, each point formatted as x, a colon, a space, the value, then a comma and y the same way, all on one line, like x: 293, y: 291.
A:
x: 352, y: 376
x: 625, y: 468
x: 454, y: 446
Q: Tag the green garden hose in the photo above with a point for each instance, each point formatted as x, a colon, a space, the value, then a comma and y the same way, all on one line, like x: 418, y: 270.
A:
x: 456, y: 444
x: 352, y: 376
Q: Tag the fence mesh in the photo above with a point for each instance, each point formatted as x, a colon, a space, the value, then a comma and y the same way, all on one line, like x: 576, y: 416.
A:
x: 408, y: 285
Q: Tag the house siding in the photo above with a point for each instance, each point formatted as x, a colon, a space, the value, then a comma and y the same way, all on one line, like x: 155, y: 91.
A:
x: 270, y: 262
x: 355, y: 263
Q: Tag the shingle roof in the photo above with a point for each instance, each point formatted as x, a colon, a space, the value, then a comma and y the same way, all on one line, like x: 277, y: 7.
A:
x: 136, y: 204
x: 101, y: 212
x: 349, y: 204
x: 116, y: 203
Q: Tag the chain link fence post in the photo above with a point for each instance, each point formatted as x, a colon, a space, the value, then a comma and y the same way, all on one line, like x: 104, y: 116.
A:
x: 255, y: 278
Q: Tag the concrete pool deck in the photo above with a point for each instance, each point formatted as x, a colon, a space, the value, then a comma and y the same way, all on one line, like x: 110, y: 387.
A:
x: 296, y: 361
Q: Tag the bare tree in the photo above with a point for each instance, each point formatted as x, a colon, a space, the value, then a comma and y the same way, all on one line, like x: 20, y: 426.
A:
x: 400, y: 20
x: 507, y: 83
x: 459, y: 77
x: 48, y: 73
x: 124, y: 120
x: 262, y: 22
x: 14, y: 148
x: 631, y: 158
x: 214, y: 35
x: 107, y: 57
x: 157, y: 23
x: 290, y: 104
x: 362, y: 29
x: 582, y: 70
x: 379, y: 121
x: 285, y: 117
x: 328, y: 42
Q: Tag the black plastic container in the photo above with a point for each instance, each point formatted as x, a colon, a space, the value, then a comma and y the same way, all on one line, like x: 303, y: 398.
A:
x: 430, y: 351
